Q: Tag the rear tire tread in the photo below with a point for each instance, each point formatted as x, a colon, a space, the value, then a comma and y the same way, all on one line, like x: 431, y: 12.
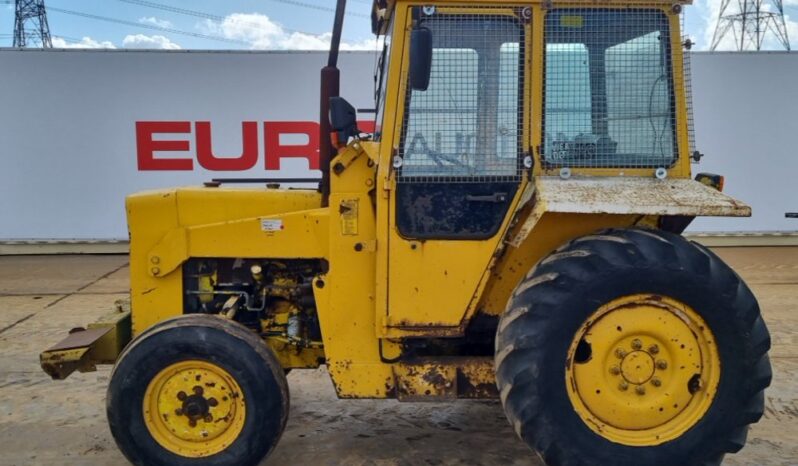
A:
x: 524, y: 337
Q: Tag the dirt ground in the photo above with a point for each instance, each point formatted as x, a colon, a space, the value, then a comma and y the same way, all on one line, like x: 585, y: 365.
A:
x: 43, y: 422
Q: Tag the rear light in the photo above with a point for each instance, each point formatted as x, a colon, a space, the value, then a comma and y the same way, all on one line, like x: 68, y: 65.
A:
x: 711, y: 180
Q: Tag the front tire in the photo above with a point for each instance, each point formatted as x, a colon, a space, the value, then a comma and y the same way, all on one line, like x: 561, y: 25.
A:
x: 632, y: 347
x: 197, y: 390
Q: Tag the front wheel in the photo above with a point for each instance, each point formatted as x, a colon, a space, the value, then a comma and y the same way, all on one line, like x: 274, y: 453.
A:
x: 632, y: 347
x: 197, y: 390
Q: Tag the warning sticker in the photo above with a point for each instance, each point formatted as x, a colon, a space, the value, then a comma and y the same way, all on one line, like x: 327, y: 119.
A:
x: 271, y: 225
x: 348, y: 211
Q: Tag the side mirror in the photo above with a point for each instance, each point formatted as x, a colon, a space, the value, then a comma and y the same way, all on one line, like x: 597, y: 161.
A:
x: 343, y: 119
x: 420, y: 58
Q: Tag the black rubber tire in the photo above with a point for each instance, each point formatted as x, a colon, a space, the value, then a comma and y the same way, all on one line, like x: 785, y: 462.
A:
x: 557, y: 296
x: 222, y: 342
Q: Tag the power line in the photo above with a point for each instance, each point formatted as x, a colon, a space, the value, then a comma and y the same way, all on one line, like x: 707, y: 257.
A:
x: 174, y: 9
x: 189, y: 12
x: 219, y: 19
x: 318, y: 7
x: 146, y: 26
x: 202, y: 14
x: 72, y: 40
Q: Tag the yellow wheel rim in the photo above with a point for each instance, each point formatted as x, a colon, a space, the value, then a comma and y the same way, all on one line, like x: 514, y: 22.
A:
x: 194, y: 409
x: 642, y: 370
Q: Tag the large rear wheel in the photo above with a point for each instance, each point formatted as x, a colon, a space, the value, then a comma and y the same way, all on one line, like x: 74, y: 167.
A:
x: 195, y: 390
x: 632, y: 347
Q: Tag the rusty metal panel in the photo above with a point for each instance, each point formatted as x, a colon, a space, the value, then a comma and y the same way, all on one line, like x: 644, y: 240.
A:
x: 643, y: 196
x: 627, y: 196
x: 425, y: 382
x: 83, y: 349
x: 71, y: 353
x: 80, y: 338
x: 476, y: 378
x: 445, y: 378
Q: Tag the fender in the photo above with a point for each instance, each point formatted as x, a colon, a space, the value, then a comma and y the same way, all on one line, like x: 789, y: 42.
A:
x: 627, y: 196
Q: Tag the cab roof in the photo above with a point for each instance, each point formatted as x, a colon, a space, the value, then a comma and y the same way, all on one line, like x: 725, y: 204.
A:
x: 381, y: 10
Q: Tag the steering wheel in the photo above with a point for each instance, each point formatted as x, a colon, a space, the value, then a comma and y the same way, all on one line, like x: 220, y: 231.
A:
x: 439, y: 160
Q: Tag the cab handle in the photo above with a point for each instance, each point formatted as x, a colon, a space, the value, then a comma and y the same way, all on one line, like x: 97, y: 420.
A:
x: 495, y: 197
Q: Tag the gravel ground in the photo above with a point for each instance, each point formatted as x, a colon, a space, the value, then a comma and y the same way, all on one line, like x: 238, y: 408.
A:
x: 43, y: 422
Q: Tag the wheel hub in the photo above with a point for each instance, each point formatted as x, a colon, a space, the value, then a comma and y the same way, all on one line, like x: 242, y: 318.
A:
x: 637, y: 367
x: 194, y: 408
x: 648, y: 355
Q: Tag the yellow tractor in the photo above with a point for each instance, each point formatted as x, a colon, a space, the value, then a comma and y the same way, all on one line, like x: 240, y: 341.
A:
x: 511, y: 229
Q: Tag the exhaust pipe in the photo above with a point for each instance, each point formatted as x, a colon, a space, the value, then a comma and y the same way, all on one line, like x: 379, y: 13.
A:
x: 330, y: 87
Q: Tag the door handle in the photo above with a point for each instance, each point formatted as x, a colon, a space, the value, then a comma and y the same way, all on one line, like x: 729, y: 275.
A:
x: 495, y: 197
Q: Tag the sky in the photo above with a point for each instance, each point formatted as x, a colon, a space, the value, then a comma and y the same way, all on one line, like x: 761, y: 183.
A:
x: 258, y: 24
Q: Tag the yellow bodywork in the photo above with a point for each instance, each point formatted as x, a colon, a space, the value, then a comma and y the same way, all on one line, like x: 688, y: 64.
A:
x: 167, y: 227
x: 379, y: 289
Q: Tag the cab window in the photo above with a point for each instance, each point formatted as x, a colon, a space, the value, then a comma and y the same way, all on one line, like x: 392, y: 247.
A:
x: 609, y: 99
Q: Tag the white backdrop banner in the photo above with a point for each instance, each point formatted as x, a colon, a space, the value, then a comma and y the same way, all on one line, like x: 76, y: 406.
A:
x: 80, y: 130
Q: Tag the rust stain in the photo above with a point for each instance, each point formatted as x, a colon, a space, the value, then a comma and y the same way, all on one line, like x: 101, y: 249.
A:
x: 433, y: 377
x: 477, y: 389
x: 446, y: 378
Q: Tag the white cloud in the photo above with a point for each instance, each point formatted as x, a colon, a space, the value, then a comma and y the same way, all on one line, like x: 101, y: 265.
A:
x: 141, y: 41
x: 792, y: 28
x: 85, y: 43
x: 262, y: 33
x: 161, y: 23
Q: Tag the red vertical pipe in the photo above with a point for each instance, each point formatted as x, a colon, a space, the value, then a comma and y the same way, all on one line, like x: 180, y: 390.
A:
x: 330, y: 87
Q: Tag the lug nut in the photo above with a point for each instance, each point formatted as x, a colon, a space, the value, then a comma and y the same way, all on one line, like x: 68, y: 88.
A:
x: 181, y: 396
x: 653, y: 349
x: 620, y: 353
x: 208, y: 418
x: 623, y: 386
x: 640, y: 390
x: 637, y: 344
x: 656, y: 382
x: 661, y: 364
x: 212, y: 402
x: 179, y: 411
x: 615, y: 370
x: 198, y: 390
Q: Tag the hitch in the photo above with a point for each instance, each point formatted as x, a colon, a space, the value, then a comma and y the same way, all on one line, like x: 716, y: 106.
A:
x: 100, y: 343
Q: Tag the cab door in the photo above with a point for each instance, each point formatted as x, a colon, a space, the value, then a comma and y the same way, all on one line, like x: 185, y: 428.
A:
x: 459, y: 166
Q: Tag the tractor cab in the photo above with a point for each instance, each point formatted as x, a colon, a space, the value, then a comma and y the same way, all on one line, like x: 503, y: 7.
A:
x: 486, y: 92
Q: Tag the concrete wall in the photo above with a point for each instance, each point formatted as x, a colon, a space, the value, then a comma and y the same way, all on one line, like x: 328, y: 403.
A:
x: 68, y: 148
x: 746, y: 121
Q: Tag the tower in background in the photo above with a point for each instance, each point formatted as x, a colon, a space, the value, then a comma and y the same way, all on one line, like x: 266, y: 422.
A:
x: 750, y: 22
x: 30, y: 25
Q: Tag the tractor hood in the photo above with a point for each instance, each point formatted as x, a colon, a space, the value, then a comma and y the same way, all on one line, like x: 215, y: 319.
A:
x: 168, y: 226
x: 200, y: 205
